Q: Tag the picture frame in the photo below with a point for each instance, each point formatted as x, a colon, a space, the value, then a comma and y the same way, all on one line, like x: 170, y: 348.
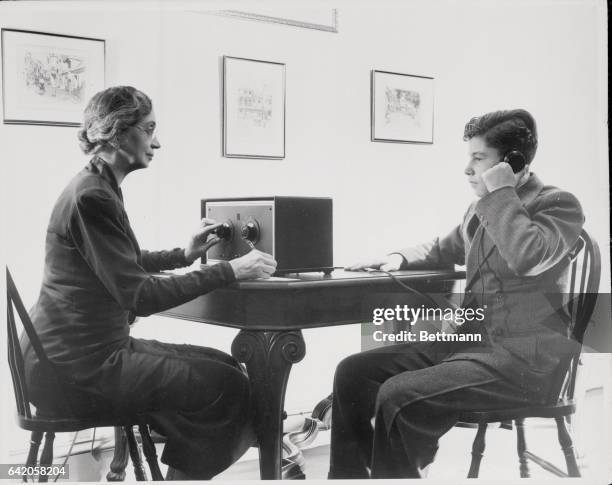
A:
x: 47, y: 78
x: 253, y: 108
x: 402, y: 107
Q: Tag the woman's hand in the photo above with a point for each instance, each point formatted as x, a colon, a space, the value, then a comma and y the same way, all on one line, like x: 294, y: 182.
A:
x: 202, y: 240
x: 254, y: 264
x: 390, y: 262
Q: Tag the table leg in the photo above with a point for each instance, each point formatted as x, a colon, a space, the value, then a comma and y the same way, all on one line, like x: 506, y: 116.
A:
x: 268, y: 357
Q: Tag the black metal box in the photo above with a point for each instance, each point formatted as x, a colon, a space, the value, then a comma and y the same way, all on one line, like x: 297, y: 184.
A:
x: 297, y: 231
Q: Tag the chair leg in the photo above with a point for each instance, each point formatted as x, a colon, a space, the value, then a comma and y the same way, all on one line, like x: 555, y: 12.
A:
x: 120, y: 457
x: 139, y: 471
x: 35, y: 439
x: 149, y: 451
x: 477, y: 450
x: 565, y: 440
x: 46, y: 457
x: 521, y: 447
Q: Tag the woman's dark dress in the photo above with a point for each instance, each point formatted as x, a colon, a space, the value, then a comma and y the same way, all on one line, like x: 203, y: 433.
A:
x: 96, y: 280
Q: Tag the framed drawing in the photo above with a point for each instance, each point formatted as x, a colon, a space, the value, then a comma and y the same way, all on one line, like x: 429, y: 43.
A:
x: 401, y: 108
x: 253, y: 108
x: 48, y: 78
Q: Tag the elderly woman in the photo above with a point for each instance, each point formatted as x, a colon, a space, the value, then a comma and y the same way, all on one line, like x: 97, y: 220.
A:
x: 97, y: 279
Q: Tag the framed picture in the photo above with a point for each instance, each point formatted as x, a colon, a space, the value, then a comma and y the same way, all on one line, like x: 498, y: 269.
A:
x: 402, y: 108
x: 48, y: 78
x: 253, y: 108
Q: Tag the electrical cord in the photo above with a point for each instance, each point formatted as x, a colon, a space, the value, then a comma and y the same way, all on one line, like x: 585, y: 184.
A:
x: 501, y: 290
x: 68, y: 454
x: 485, y: 260
x: 479, y: 264
x: 410, y: 289
x: 480, y: 250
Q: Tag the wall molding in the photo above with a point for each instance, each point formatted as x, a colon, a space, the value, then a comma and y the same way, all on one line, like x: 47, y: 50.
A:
x: 332, y: 27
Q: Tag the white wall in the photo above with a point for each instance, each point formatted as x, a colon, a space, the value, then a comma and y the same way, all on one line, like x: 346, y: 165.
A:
x: 385, y: 195
x: 545, y: 56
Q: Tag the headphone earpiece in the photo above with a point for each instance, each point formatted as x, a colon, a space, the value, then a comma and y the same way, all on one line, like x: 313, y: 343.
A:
x: 516, y: 160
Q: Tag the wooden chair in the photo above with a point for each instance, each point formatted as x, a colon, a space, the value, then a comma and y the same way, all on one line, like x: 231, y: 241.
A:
x: 582, y: 295
x: 48, y: 426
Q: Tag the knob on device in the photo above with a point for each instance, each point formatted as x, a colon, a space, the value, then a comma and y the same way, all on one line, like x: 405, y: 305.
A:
x: 224, y: 231
x: 250, y: 231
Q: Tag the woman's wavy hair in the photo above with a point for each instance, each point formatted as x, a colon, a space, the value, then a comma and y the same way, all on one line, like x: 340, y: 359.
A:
x: 506, y: 131
x: 109, y: 113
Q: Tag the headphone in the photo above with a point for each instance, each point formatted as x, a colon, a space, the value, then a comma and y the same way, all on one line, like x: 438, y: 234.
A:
x: 516, y: 160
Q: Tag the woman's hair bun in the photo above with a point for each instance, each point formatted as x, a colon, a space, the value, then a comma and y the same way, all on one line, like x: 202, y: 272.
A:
x: 86, y: 145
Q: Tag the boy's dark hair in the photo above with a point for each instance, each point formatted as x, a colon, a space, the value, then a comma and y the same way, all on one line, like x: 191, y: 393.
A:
x: 506, y: 131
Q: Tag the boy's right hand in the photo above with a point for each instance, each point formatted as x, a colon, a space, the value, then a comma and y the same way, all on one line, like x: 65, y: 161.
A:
x: 389, y: 262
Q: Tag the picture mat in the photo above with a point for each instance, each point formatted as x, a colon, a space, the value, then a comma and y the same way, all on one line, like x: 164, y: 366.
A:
x: 257, y: 132
x: 21, y: 102
x: 397, y: 126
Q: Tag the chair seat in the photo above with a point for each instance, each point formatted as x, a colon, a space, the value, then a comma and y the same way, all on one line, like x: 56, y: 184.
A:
x: 560, y: 409
x: 71, y: 424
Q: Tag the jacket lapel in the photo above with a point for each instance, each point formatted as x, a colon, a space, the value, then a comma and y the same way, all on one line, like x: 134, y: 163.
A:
x: 472, y: 256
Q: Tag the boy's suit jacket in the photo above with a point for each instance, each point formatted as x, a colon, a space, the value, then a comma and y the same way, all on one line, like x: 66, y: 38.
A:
x: 515, y: 245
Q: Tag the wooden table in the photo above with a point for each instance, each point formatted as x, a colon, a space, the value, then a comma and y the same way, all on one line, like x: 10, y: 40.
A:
x: 271, y: 314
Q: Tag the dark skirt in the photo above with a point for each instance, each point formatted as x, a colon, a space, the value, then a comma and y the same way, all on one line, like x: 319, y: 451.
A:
x: 197, y: 397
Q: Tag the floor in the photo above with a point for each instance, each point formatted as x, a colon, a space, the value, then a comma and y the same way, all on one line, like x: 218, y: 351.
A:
x: 452, y: 462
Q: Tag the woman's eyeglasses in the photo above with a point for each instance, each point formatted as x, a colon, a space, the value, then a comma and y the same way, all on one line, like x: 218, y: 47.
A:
x: 149, y: 131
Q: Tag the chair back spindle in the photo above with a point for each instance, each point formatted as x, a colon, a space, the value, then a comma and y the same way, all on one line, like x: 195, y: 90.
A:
x: 15, y: 358
x: 582, y: 293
